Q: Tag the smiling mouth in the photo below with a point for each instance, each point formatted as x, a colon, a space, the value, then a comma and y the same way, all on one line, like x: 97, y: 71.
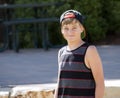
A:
x: 71, y: 36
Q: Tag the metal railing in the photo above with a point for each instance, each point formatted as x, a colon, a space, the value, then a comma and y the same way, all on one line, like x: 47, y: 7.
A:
x: 12, y: 23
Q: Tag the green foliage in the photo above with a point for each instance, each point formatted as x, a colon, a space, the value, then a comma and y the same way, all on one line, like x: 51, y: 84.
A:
x: 114, y: 16
x: 102, y: 17
x: 94, y: 22
x: 26, y: 39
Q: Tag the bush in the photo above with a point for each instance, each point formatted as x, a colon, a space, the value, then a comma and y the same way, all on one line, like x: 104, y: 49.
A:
x: 113, y: 16
x: 94, y: 23
x: 102, y: 17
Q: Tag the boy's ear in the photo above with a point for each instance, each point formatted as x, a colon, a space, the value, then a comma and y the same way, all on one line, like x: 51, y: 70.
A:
x: 83, y: 35
x: 82, y: 28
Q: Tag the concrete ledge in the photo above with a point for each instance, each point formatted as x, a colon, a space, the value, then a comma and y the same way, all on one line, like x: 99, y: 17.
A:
x: 33, y: 91
x: 112, y: 90
x: 4, y: 94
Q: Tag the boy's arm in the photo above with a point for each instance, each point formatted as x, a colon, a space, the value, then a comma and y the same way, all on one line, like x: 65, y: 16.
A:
x: 56, y: 89
x: 95, y: 65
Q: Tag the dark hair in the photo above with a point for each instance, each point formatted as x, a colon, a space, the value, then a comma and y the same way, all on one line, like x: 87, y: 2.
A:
x: 68, y: 21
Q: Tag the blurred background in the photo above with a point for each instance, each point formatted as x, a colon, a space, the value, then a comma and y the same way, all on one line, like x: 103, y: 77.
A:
x: 17, y: 30
x: 33, y: 26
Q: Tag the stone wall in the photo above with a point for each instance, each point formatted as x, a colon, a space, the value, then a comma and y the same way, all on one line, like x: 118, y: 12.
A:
x: 4, y: 94
x: 112, y: 90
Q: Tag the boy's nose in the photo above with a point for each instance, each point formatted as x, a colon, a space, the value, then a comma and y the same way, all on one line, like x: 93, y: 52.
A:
x: 70, y: 31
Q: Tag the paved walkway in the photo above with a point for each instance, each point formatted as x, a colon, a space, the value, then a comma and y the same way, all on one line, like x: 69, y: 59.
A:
x: 36, y: 66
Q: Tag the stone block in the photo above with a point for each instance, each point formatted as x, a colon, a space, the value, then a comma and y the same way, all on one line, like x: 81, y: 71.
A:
x: 112, y: 90
x: 33, y: 91
x: 4, y: 94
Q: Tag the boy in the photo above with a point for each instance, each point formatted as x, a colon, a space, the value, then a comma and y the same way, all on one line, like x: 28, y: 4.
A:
x: 80, y: 68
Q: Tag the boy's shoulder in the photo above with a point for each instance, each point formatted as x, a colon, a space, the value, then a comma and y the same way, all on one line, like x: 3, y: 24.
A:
x: 62, y: 49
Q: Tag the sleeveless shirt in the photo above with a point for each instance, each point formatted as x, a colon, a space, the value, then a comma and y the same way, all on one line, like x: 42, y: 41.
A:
x: 76, y: 79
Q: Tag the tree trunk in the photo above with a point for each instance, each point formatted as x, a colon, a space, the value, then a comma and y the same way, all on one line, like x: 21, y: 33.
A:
x: 2, y: 17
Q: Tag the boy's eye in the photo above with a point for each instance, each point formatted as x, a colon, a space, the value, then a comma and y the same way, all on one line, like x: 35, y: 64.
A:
x: 65, y: 28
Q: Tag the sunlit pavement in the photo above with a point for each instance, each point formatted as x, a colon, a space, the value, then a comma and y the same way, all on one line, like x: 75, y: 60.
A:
x: 36, y: 66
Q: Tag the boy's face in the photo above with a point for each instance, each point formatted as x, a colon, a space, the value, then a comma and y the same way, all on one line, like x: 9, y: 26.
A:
x: 72, y: 31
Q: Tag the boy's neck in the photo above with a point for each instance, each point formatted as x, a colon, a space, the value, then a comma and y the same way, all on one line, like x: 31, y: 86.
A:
x: 72, y: 46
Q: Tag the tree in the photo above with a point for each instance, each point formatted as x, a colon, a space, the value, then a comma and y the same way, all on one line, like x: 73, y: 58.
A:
x: 2, y: 18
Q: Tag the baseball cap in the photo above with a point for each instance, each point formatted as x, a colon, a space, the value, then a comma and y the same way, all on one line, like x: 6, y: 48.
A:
x: 72, y: 14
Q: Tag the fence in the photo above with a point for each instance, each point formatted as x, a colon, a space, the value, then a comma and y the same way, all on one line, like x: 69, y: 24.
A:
x: 11, y: 24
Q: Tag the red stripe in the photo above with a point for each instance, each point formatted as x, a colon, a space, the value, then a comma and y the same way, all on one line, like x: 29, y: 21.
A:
x: 78, y: 54
x: 72, y: 62
x: 77, y: 96
x: 73, y: 54
x: 74, y: 79
x: 74, y: 71
x: 76, y: 87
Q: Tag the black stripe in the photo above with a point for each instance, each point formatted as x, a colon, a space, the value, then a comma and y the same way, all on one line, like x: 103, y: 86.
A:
x: 76, y: 75
x: 76, y: 83
x: 73, y: 58
x: 76, y: 92
x: 78, y: 58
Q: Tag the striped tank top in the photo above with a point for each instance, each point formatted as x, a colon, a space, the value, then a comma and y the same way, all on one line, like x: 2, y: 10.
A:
x: 75, y: 80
